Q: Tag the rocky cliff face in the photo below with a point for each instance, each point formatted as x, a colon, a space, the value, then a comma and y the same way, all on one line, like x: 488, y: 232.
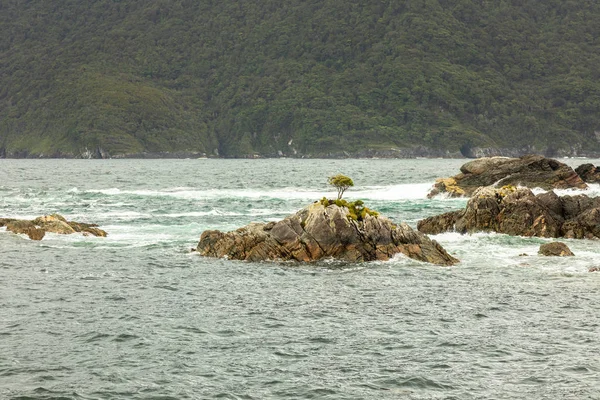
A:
x: 520, y: 212
x: 531, y: 171
x: 317, y: 232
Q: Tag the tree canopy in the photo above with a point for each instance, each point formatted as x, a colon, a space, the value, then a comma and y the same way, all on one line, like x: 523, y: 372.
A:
x: 297, y: 78
x: 341, y: 183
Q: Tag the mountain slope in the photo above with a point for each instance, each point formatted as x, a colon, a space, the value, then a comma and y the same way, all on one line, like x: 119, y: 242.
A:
x: 291, y: 77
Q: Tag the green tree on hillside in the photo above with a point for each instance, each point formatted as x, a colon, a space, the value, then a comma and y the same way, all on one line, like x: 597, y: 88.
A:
x: 297, y: 78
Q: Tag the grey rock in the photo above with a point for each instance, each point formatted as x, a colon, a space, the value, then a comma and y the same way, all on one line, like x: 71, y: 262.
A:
x: 589, y: 173
x: 529, y: 171
x: 55, y: 223
x: 317, y: 232
x: 517, y: 211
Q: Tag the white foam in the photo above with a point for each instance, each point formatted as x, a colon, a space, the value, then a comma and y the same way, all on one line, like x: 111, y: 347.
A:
x: 125, y: 215
x: 28, y: 217
x: 469, y: 237
x: 392, y: 192
x: 199, y: 194
x: 110, y: 192
x: 592, y: 191
x: 215, y: 212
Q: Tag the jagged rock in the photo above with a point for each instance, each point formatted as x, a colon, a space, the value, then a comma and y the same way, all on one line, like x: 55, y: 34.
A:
x: 589, y: 173
x: 318, y: 232
x: 520, y: 212
x: 594, y: 269
x: 55, y: 223
x: 530, y: 171
x: 87, y: 229
x: 558, y: 249
x: 26, y: 227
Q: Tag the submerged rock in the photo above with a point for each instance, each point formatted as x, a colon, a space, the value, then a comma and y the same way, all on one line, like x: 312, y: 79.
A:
x: 520, y: 212
x: 55, y: 223
x: 557, y: 249
x: 530, y: 171
x: 317, y: 232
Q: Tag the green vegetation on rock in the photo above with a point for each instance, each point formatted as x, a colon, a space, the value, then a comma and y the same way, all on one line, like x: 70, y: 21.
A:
x: 239, y: 78
x: 356, y: 209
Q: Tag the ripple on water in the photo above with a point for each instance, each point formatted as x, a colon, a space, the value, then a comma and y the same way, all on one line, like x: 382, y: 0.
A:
x: 192, y: 329
x: 125, y: 337
x: 135, y: 316
x: 95, y: 337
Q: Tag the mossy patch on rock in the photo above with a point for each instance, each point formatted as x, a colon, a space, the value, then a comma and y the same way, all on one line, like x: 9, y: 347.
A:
x: 356, y: 209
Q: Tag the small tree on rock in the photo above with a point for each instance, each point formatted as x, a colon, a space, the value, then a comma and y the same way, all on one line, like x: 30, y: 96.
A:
x: 341, y: 183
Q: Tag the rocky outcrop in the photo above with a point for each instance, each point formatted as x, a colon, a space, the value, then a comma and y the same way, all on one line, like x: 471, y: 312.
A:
x: 520, y: 212
x: 530, y: 171
x: 589, y: 173
x: 25, y: 227
x: 317, y: 232
x: 36, y: 229
x: 555, y: 249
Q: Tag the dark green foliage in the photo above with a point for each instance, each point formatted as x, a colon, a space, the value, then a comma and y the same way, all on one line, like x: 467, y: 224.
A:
x: 292, y: 77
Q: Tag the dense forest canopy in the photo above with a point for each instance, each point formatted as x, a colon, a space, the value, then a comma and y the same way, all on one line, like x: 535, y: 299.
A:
x: 303, y: 78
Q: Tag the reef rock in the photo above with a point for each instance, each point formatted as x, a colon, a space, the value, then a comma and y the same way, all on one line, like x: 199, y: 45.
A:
x: 520, y: 212
x: 556, y: 249
x: 529, y: 171
x: 589, y: 173
x: 317, y: 232
x: 25, y: 227
x: 55, y: 223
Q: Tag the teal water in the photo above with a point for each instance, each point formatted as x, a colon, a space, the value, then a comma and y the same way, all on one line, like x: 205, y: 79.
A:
x: 136, y: 315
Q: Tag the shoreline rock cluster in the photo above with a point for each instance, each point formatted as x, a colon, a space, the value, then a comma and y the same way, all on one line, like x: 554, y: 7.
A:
x: 340, y: 230
x: 318, y: 232
x: 496, y: 204
x: 518, y: 212
x: 531, y: 171
x: 36, y: 229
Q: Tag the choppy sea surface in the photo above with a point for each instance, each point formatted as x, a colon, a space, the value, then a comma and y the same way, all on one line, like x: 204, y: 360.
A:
x: 136, y: 315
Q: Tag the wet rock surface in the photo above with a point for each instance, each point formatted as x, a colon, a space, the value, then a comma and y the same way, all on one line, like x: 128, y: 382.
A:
x: 530, y: 171
x: 318, y: 232
x: 555, y: 249
x: 37, y: 228
x: 589, y: 173
x: 521, y: 213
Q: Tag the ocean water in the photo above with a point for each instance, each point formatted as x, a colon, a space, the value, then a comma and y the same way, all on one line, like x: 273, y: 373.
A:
x: 137, y: 315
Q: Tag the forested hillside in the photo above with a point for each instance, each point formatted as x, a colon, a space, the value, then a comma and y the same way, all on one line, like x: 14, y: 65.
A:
x: 297, y: 77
